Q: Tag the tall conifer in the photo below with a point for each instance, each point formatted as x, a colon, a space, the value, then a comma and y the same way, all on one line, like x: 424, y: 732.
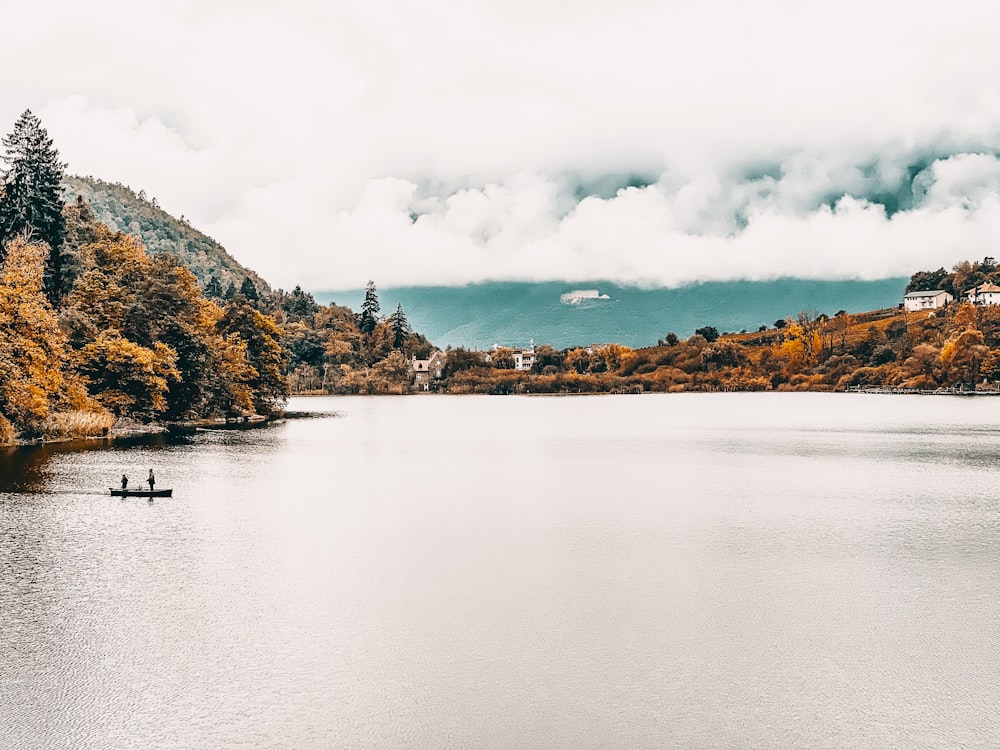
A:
x: 31, y: 201
x: 400, y: 327
x: 369, y: 310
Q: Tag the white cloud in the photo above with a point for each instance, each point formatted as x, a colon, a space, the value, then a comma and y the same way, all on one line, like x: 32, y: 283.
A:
x: 304, y: 136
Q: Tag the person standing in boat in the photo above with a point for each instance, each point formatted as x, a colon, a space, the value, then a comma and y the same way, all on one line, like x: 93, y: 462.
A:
x: 152, y: 480
x: 124, y: 482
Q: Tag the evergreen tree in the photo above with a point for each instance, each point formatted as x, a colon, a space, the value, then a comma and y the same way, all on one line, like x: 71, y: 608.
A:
x: 31, y: 203
x: 249, y: 290
x: 369, y: 310
x: 299, y: 305
x: 400, y: 327
x: 230, y: 291
x: 213, y: 289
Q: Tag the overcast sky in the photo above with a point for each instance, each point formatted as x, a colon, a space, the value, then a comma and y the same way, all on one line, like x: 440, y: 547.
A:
x: 663, y: 142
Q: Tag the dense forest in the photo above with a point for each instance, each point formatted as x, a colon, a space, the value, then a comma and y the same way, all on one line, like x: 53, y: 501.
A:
x: 99, y: 330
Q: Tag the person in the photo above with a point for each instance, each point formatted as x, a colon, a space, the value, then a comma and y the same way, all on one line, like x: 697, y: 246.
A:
x: 152, y: 479
x: 124, y: 482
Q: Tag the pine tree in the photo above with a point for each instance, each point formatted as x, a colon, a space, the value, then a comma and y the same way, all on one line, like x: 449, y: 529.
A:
x: 249, y: 290
x: 31, y: 203
x: 299, y: 305
x: 369, y: 310
x: 213, y: 289
x: 400, y: 327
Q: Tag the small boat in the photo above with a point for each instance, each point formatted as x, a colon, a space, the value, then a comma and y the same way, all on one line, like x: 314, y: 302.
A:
x: 140, y: 493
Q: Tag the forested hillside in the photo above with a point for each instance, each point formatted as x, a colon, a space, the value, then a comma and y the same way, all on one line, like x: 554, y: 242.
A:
x: 121, y: 208
x: 96, y: 331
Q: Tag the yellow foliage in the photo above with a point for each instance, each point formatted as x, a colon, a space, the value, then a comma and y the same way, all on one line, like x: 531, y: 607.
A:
x: 966, y: 317
x: 129, y: 378
x: 962, y: 356
x: 31, y: 345
x: 7, y: 432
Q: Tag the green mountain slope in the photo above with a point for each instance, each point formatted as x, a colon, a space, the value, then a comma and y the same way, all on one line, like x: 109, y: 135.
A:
x: 121, y: 208
x: 513, y: 313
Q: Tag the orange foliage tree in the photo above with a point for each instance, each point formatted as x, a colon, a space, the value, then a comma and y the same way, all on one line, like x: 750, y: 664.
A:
x: 31, y: 345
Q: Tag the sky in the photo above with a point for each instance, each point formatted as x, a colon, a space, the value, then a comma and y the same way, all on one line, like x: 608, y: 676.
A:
x: 656, y: 143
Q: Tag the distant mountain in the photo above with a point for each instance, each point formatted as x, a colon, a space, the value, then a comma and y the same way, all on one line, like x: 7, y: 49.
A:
x: 576, y: 314
x: 121, y: 208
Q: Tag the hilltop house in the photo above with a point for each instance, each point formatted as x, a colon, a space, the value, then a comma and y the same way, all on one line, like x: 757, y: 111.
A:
x: 932, y: 300
x: 426, y: 370
x: 984, y: 294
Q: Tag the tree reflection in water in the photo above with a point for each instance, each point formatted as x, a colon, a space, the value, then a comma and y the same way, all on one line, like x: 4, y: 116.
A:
x: 26, y: 468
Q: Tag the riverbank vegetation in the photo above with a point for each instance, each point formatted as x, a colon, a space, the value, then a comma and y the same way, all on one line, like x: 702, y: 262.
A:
x: 954, y: 348
x: 94, y: 330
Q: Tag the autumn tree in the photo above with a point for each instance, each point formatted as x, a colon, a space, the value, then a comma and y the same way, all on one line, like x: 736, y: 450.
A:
x: 547, y: 360
x: 920, y: 369
x: 965, y: 350
x: 32, y: 347
x: 392, y: 374
x: 461, y: 359
x: 31, y: 201
x: 129, y: 379
x: 962, y: 356
x: 268, y: 383
x: 378, y: 344
x: 502, y: 358
x: 612, y: 356
x: 578, y: 359
x: 722, y: 354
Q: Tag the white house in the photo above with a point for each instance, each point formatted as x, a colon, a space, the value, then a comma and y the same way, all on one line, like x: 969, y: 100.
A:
x: 524, y: 358
x: 931, y: 300
x: 984, y: 294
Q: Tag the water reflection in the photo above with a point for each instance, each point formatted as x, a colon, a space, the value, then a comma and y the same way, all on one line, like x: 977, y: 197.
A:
x: 491, y: 572
x: 28, y: 468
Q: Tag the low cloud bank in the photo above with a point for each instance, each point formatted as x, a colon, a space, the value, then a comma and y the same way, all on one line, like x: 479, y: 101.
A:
x: 441, y: 142
x: 801, y: 217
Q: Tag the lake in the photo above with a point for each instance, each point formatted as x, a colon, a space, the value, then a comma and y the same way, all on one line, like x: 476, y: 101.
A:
x: 656, y: 571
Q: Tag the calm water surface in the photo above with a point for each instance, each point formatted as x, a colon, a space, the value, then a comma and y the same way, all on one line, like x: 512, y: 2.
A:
x: 689, y: 571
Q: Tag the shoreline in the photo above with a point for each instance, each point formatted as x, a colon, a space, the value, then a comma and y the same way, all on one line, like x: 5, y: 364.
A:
x: 135, y: 430
x: 130, y: 431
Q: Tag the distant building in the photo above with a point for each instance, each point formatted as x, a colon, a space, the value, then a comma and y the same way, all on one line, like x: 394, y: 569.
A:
x: 426, y: 370
x: 931, y: 300
x: 524, y: 358
x: 984, y: 294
